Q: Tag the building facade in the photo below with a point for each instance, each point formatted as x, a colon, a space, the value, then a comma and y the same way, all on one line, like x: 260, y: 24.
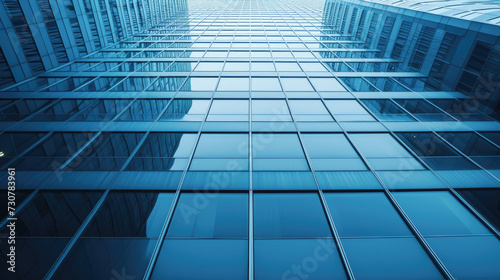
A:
x: 252, y: 139
x: 39, y: 35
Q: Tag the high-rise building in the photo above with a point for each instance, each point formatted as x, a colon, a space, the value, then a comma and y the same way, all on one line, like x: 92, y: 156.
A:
x: 249, y: 139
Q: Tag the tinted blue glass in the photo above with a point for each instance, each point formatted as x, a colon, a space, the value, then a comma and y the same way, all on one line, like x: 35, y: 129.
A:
x: 107, y: 258
x: 276, y: 146
x: 167, y: 145
x: 222, y: 146
x: 289, y: 215
x: 202, y: 259
x: 265, y: 84
x: 307, y: 107
x: 389, y: 258
x: 54, y: 213
x: 218, y: 180
x: 365, y: 214
x: 423, y: 110
x: 348, y: 110
x: 236, y: 84
x: 297, y: 259
x: 186, y: 110
x: 485, y: 201
x: 442, y: 214
x: 379, y: 145
x: 203, y: 215
x: 348, y: 180
x: 328, y: 146
x: 229, y: 107
x: 326, y: 84
x: 296, y: 84
x: 471, y: 257
x: 387, y: 110
x: 131, y: 214
x: 40, y: 254
x: 283, y: 180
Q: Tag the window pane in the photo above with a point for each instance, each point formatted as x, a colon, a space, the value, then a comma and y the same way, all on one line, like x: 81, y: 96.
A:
x: 270, y: 107
x: 289, y: 215
x: 328, y: 146
x: 167, y: 145
x: 436, y: 153
x: 131, y: 214
x: 237, y: 66
x: 222, y: 146
x: 327, y: 84
x: 229, y: 107
x: 200, y: 84
x: 439, y: 213
x: 224, y: 215
x: 387, y: 110
x: 307, y: 107
x: 389, y: 258
x: 237, y: 84
x: 365, y: 214
x: 209, y: 66
x: 379, y: 145
x: 54, y: 214
x: 202, y: 259
x: 348, y: 110
x: 265, y: 84
x: 485, y: 201
x: 469, y: 257
x: 318, y: 258
x: 384, y: 152
x: 186, y: 110
x: 276, y: 146
x: 296, y: 84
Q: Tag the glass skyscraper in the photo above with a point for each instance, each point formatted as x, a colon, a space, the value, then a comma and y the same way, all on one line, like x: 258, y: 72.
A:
x: 249, y: 139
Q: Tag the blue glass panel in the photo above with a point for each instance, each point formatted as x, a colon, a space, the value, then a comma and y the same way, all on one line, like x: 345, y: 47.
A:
x: 328, y: 146
x: 38, y: 255
x: 216, y: 180
x: 296, y: 84
x: 274, y: 145
x: 411, y: 179
x: 297, y: 259
x: 348, y: 180
x: 105, y: 258
x: 438, y: 213
x: 279, y: 180
x: 202, y: 259
x: 234, y: 84
x: 265, y: 84
x: 471, y: 257
x: 365, y: 214
x: 222, y: 146
x: 207, y: 215
x: 375, y: 145
x: 485, y: 201
x: 389, y: 258
x: 131, y: 214
x: 54, y: 213
x: 289, y: 215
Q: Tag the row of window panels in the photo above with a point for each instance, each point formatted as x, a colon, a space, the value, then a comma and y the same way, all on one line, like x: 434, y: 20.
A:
x: 239, y: 42
x: 270, y: 151
x: 309, y: 67
x: 226, y: 84
x: 299, y: 50
x: 207, y: 236
x: 263, y: 110
x: 234, y: 54
x: 300, y: 23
